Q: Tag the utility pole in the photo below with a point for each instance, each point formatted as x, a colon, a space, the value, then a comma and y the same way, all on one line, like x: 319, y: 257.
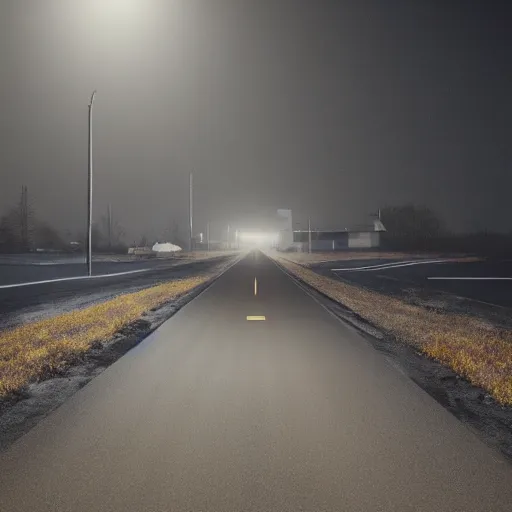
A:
x: 208, y: 235
x: 89, y: 193
x: 190, y: 215
x: 309, y: 237
x: 228, y: 241
x: 109, y: 227
x: 24, y: 217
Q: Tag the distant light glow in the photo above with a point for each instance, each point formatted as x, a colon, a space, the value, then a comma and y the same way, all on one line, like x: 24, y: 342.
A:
x: 257, y: 238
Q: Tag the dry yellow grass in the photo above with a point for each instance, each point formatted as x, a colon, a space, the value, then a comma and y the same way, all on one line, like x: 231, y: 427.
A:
x: 477, y: 351
x: 41, y: 349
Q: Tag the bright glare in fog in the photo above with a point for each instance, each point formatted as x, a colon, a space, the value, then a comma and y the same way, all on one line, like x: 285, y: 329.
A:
x: 258, y: 239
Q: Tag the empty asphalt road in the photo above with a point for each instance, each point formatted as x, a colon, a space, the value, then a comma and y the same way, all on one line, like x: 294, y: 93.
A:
x: 214, y: 412
x: 15, y: 299
x: 472, y: 279
x: 12, y: 273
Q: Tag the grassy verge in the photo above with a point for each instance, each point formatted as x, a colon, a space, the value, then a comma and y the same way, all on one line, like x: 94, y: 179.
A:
x: 41, y: 349
x: 472, y: 348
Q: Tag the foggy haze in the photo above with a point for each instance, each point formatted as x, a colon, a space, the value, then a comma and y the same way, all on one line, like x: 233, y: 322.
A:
x: 332, y: 109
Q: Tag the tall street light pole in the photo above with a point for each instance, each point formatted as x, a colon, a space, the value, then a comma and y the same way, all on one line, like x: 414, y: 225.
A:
x: 309, y: 235
x: 190, y: 215
x: 89, y: 193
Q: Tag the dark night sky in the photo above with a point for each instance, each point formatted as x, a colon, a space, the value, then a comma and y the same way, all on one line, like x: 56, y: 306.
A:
x: 329, y: 108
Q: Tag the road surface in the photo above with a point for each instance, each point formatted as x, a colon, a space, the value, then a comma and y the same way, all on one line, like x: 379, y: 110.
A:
x: 25, y: 303
x: 11, y: 273
x: 14, y: 274
x: 397, y: 280
x: 213, y: 412
x: 16, y: 298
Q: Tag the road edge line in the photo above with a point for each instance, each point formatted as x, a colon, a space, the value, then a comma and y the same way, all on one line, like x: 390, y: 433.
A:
x: 201, y: 289
x: 347, y: 322
x: 74, y: 278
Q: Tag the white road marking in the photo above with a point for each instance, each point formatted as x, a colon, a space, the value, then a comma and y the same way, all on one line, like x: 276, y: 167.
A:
x: 256, y: 317
x: 51, y: 263
x: 75, y: 278
x: 471, y: 278
x: 255, y: 286
x: 410, y: 264
x: 380, y: 265
x: 384, y: 266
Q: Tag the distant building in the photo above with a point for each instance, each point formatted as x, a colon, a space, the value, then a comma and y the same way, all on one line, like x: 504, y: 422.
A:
x: 336, y: 240
x: 356, y: 237
x: 285, y: 239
